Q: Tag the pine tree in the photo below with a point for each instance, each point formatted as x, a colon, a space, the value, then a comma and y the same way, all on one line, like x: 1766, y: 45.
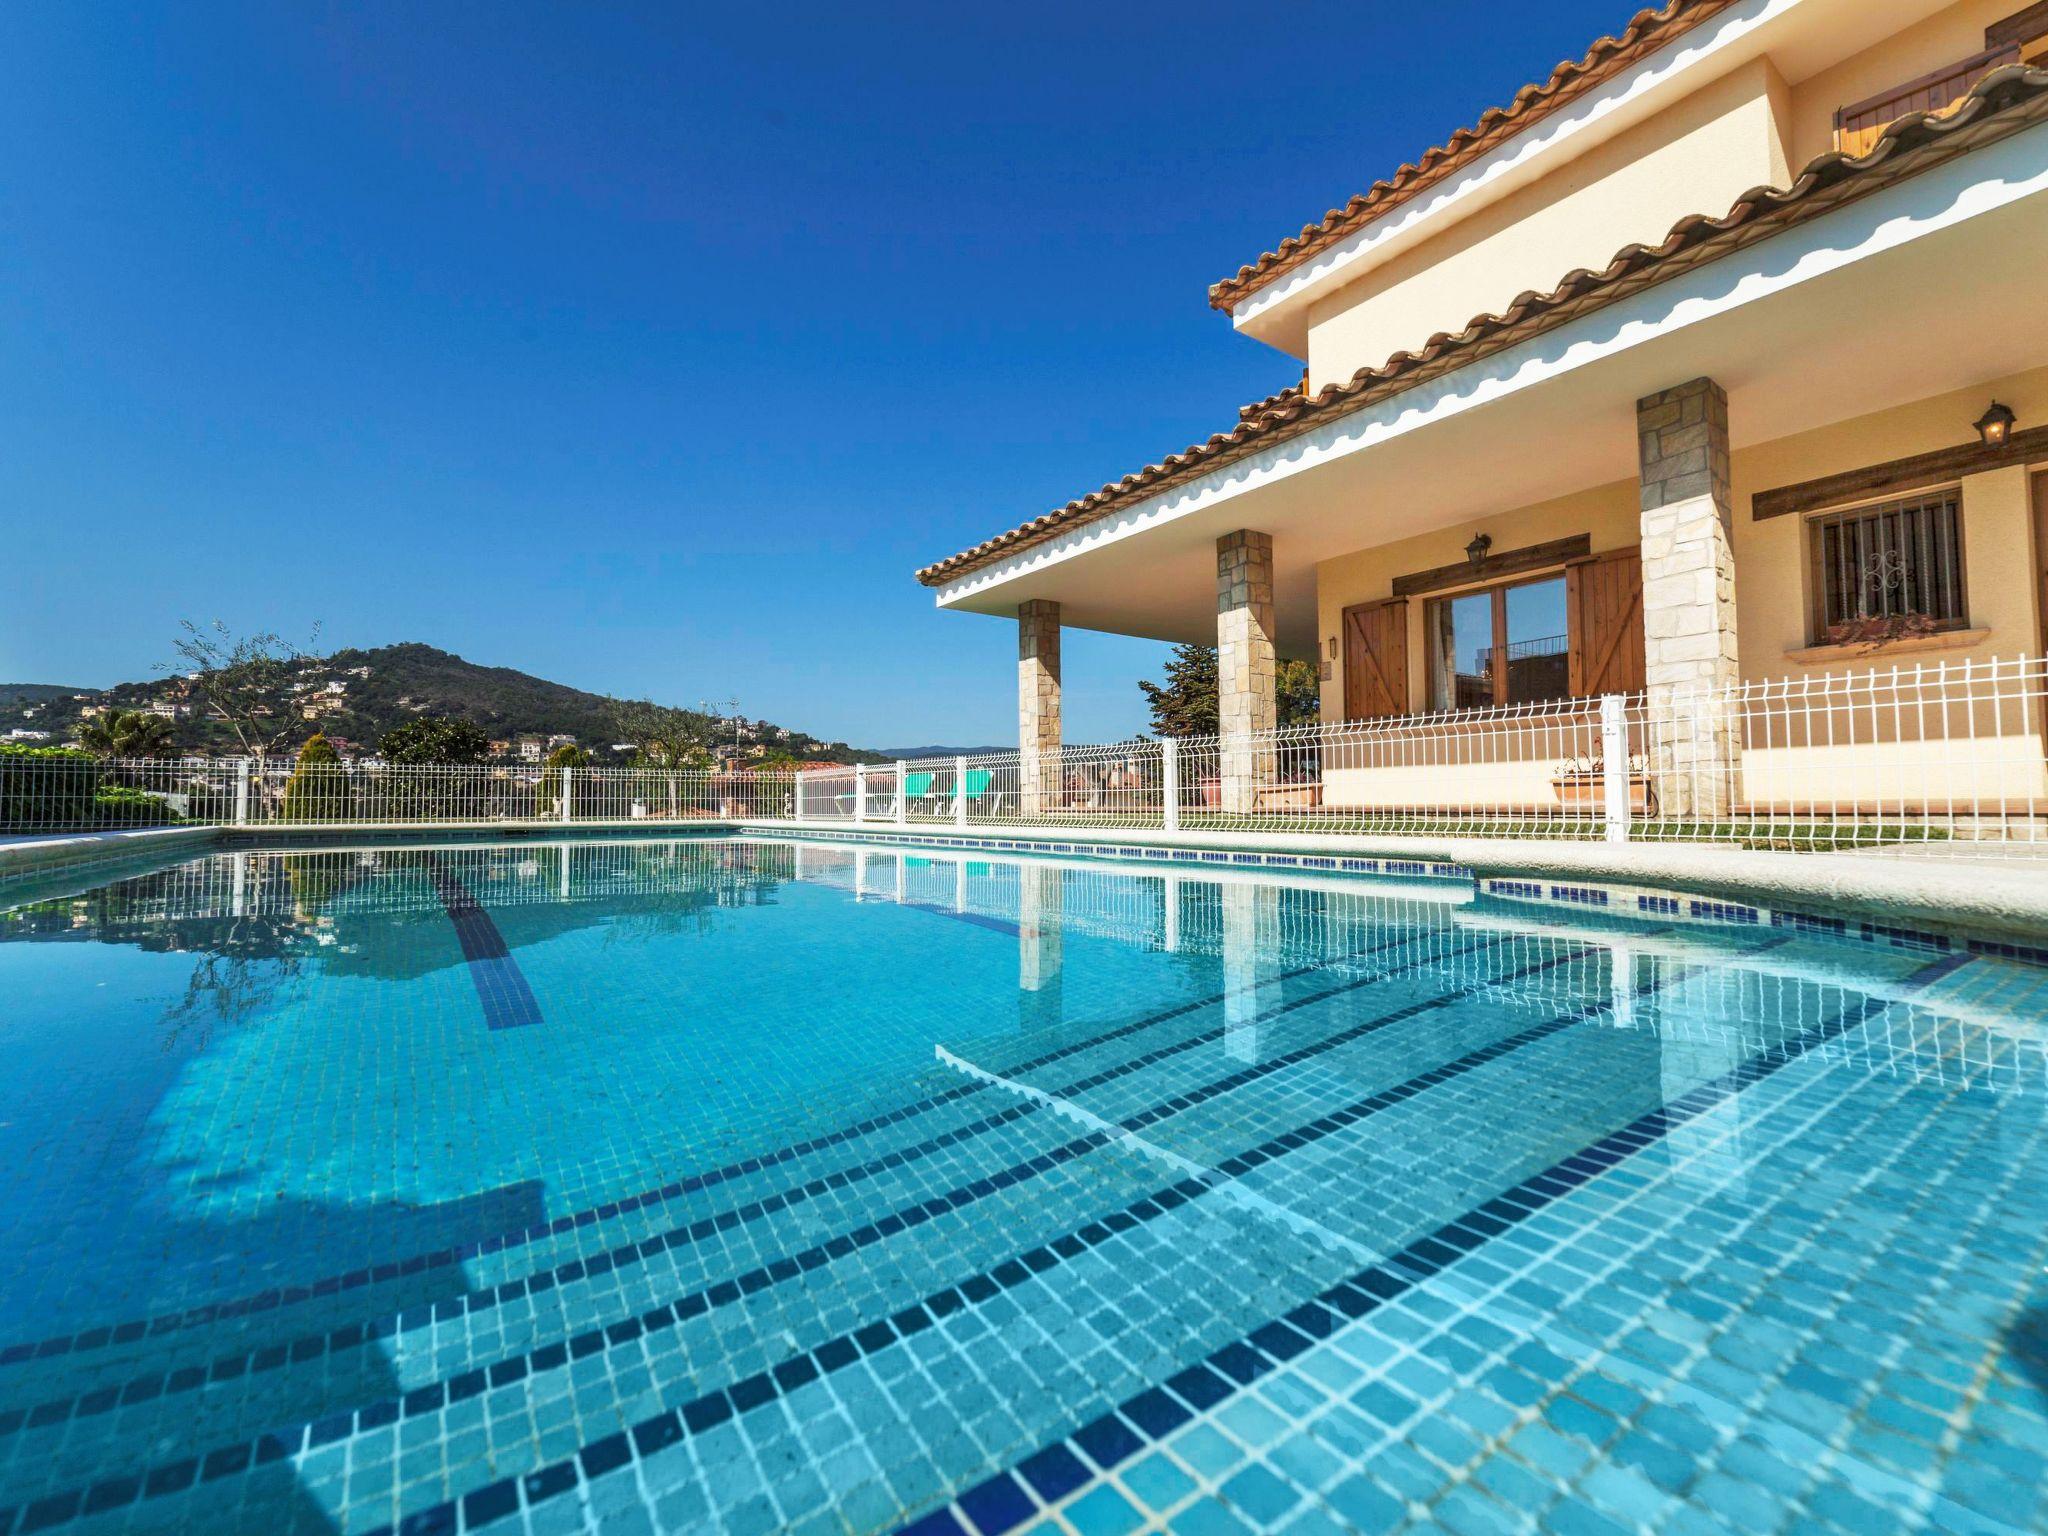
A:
x: 318, y: 789
x: 1185, y: 704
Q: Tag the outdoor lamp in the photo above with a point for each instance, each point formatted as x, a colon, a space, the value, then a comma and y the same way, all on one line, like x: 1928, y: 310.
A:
x: 1333, y: 647
x: 1995, y: 425
x: 1476, y: 550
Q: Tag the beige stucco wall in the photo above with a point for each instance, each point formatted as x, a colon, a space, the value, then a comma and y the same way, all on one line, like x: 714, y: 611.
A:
x: 1747, y: 128
x: 1941, y: 40
x: 1699, y: 156
x: 1791, y: 761
x: 2000, y: 563
x: 1607, y: 513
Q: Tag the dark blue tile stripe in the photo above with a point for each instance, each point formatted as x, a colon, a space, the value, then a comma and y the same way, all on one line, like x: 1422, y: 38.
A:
x: 977, y: 919
x: 1928, y: 975
x: 104, y: 1335
x: 105, y: 1398
x: 486, y: 1506
x: 835, y: 1354
x: 501, y: 987
x: 1134, y: 1424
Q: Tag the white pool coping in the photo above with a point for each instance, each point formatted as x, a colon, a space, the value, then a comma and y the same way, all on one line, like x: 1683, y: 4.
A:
x: 1989, y: 896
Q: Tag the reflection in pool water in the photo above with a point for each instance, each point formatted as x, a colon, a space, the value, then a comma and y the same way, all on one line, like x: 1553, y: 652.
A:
x: 760, y: 1185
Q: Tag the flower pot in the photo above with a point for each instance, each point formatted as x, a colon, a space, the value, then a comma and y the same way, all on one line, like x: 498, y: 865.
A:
x: 1291, y: 797
x: 1589, y: 790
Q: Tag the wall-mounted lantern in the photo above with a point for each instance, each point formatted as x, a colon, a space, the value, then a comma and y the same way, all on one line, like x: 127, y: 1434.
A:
x: 1476, y: 550
x: 1995, y: 425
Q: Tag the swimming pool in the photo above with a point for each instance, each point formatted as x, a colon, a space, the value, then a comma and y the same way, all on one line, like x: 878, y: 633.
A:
x: 752, y: 1185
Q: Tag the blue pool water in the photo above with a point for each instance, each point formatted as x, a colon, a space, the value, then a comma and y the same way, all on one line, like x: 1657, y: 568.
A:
x: 752, y: 1186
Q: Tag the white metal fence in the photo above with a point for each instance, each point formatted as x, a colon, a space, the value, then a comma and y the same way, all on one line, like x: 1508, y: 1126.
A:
x: 45, y: 793
x: 1942, y: 758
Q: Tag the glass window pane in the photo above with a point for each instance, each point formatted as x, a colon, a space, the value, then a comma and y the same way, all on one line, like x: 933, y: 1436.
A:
x: 1461, y: 642
x: 1539, y: 659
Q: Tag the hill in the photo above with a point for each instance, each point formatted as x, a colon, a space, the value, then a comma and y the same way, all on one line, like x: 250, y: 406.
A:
x: 358, y: 695
x: 35, y: 693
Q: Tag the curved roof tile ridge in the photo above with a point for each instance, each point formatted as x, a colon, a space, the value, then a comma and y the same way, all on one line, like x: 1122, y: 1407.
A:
x: 1647, y: 31
x: 2012, y: 86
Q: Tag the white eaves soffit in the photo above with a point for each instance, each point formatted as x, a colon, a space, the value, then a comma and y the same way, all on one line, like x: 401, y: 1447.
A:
x: 2010, y: 172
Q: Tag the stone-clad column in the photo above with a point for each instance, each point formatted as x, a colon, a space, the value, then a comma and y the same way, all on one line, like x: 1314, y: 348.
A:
x: 1689, y: 597
x: 1246, y: 705
x: 1038, y: 705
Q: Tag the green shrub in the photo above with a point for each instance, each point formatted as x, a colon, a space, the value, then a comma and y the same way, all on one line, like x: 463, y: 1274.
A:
x: 121, y: 805
x: 47, y: 788
x: 318, y: 789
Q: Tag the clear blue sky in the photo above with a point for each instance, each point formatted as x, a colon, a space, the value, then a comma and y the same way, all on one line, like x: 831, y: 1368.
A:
x: 650, y: 348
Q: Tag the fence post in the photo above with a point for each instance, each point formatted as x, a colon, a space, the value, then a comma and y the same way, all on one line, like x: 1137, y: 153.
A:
x: 959, y: 791
x: 1169, y: 780
x: 242, y: 791
x: 860, y: 792
x: 1614, y: 774
x: 902, y: 798
x: 568, y: 789
x: 799, y: 794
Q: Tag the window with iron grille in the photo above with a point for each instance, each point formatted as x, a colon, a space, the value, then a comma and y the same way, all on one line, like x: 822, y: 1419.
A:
x: 1885, y: 571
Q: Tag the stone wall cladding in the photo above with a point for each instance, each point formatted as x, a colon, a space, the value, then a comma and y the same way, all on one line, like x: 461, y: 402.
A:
x: 1246, y: 667
x: 1689, y: 629
x: 1038, y: 698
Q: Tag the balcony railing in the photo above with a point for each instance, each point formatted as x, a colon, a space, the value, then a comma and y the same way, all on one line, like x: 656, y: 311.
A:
x: 1860, y: 125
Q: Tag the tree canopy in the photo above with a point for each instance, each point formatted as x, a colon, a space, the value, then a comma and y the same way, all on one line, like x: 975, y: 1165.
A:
x: 1185, y: 703
x: 239, y: 679
x: 434, y: 741
x: 662, y: 737
x: 127, y: 733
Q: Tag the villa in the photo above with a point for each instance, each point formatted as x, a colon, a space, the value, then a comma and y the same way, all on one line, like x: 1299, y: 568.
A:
x: 1714, y: 362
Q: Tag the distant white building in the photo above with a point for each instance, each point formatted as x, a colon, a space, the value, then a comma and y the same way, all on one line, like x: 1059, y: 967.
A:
x: 22, y: 733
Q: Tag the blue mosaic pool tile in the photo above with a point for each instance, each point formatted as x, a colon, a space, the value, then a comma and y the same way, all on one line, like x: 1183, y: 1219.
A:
x: 1833, y: 927
x: 1723, y: 911
x: 501, y: 987
x: 1379, y: 1085
x: 1588, y: 896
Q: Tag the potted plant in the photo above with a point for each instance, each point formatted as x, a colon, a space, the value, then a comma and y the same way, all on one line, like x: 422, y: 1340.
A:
x: 1582, y: 782
x: 1875, y: 631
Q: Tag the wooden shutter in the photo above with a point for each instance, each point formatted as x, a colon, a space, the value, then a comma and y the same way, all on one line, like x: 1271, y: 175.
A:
x: 1376, y: 659
x: 1604, y: 597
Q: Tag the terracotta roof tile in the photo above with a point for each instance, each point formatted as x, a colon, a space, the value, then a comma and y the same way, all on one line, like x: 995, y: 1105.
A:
x: 1646, y: 32
x: 2004, y: 101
